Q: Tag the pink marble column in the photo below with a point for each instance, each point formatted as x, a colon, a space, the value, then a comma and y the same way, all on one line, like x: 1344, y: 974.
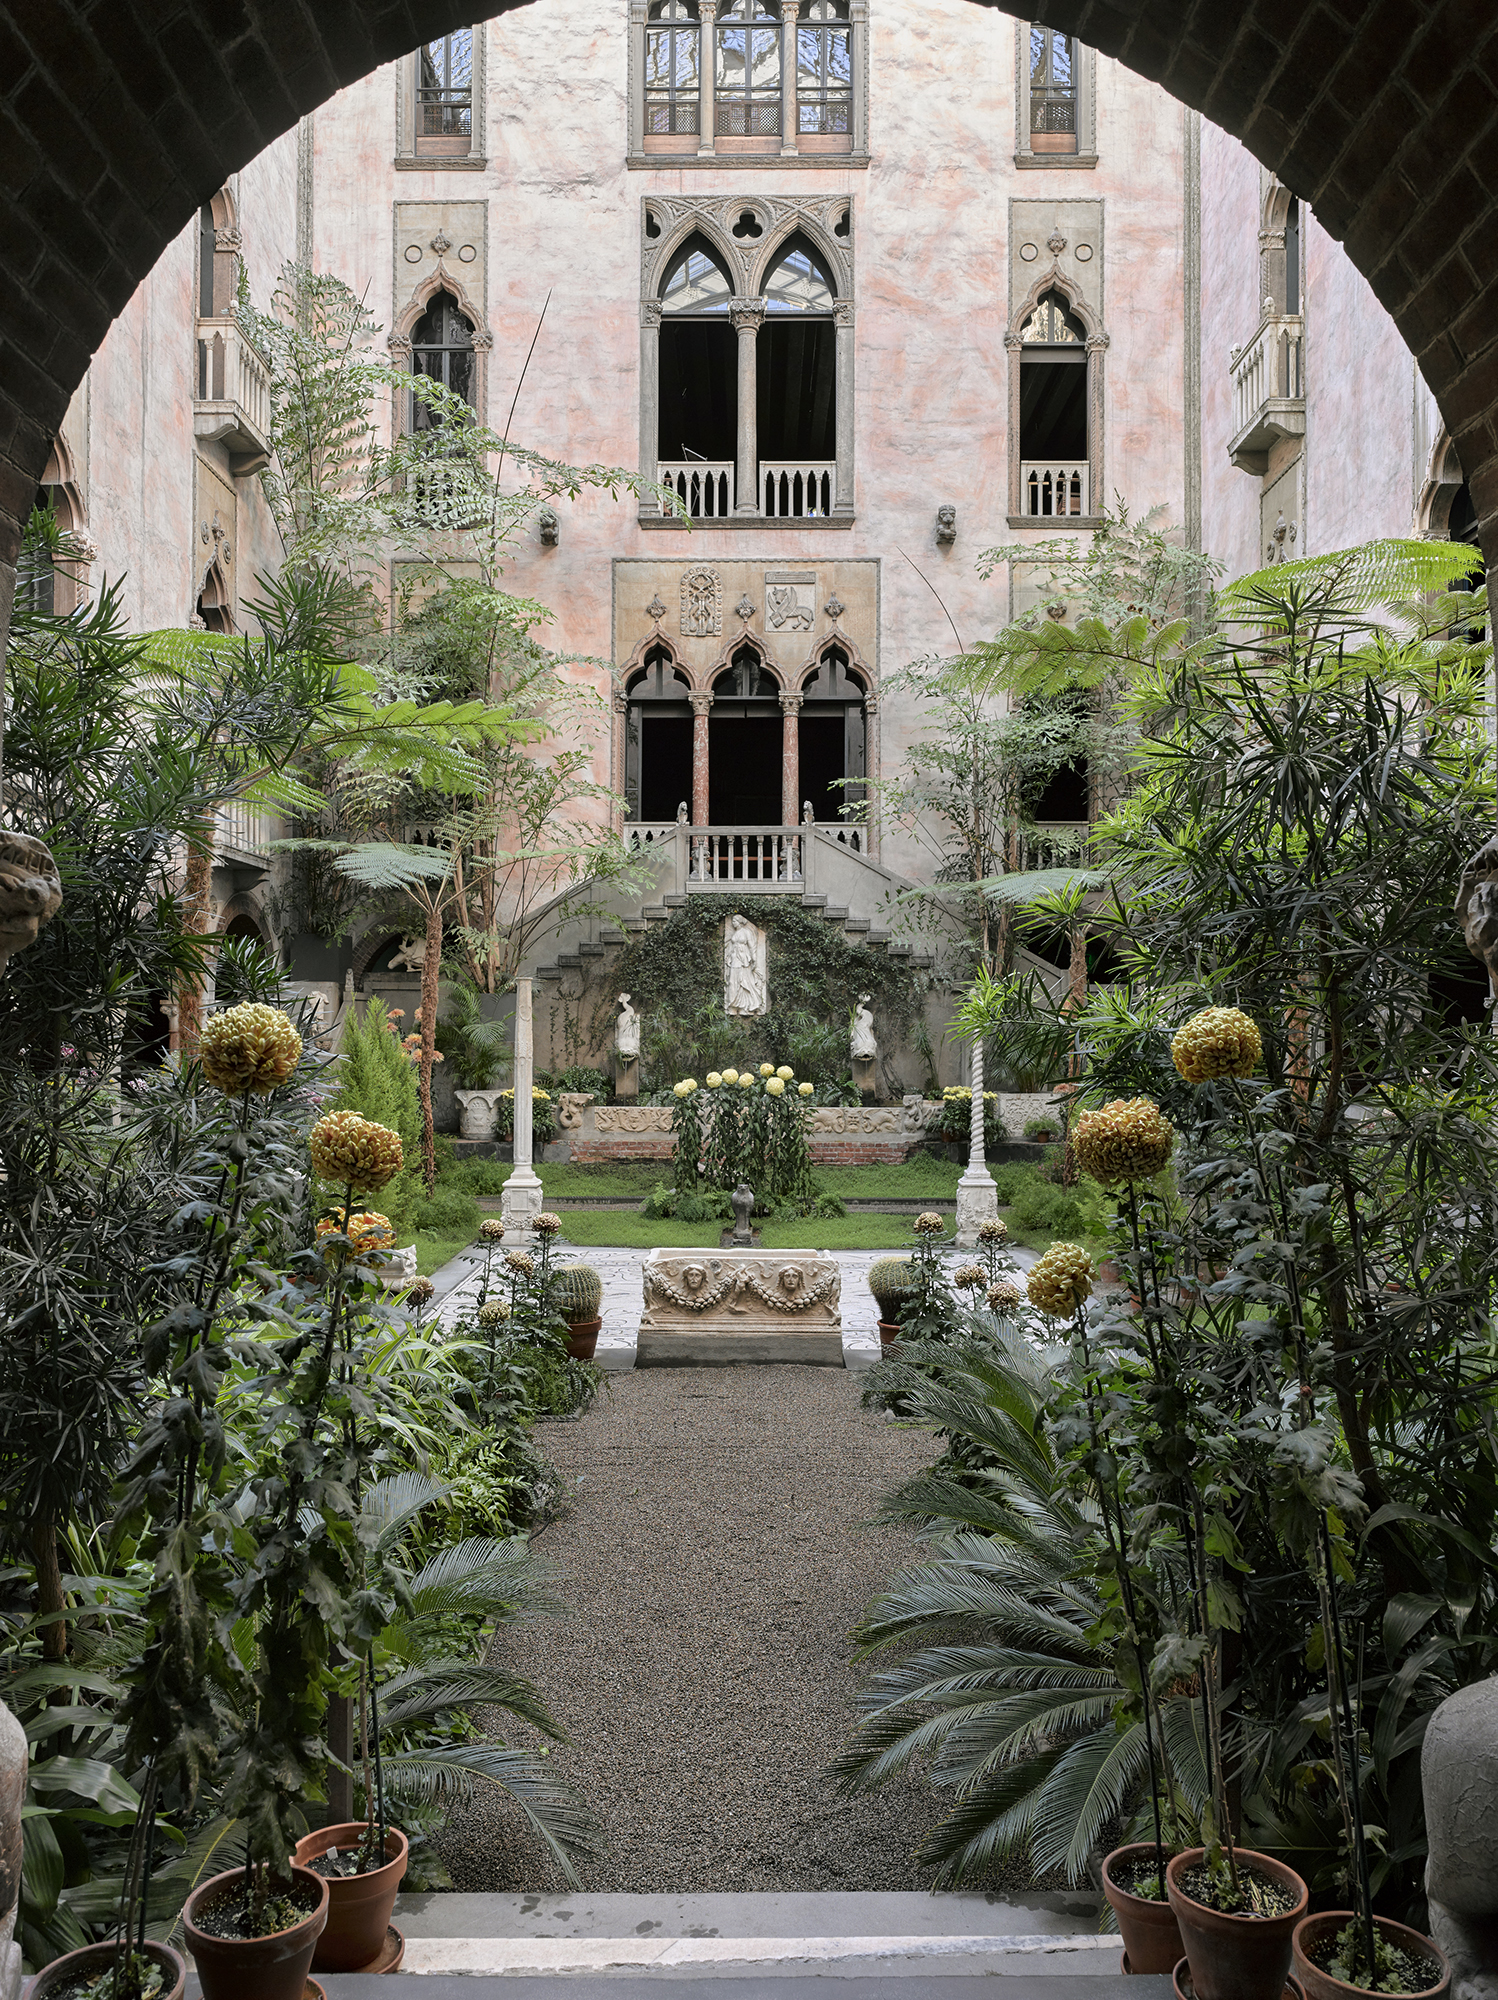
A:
x: 790, y: 759
x: 701, y: 703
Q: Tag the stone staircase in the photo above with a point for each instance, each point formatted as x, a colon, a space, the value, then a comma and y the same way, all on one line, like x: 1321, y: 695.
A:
x: 850, y: 1946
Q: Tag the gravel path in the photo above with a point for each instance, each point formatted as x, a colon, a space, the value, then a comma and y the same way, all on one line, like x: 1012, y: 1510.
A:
x: 714, y: 1559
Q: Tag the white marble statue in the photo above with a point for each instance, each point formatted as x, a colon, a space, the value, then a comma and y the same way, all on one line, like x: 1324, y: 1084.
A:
x: 862, y: 1045
x: 411, y: 957
x: 627, y: 1031
x: 746, y: 981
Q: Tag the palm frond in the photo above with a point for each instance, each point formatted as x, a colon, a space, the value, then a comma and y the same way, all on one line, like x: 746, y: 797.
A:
x: 452, y: 1774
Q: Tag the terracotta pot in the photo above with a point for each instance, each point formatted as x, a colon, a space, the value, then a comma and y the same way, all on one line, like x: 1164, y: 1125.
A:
x: 92, y: 1959
x: 264, y: 1968
x: 889, y: 1332
x: 1318, y: 1985
x: 1151, y: 1935
x: 582, y: 1337
x: 359, y: 1906
x: 1184, y: 1990
x: 1233, y: 1957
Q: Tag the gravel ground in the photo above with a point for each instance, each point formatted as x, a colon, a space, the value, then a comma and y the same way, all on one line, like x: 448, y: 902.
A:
x: 714, y: 1558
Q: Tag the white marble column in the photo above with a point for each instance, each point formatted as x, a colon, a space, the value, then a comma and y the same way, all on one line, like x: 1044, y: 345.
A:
x: 977, y: 1195
x: 789, y: 13
x: 843, y: 317
x: 522, y: 1196
x: 747, y: 316
x: 707, y: 70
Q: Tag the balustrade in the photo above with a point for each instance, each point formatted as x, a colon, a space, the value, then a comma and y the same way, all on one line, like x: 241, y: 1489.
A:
x: 800, y: 487
x: 244, y: 829
x: 1053, y: 487
x: 233, y: 405
x: 704, y: 488
x: 1268, y: 390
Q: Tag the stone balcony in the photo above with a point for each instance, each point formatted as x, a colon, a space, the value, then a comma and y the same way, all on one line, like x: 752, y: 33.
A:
x: 232, y: 403
x: 1269, y: 391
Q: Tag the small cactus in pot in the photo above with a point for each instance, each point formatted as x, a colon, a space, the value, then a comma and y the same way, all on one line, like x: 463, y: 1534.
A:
x: 579, y: 1294
x: 890, y: 1280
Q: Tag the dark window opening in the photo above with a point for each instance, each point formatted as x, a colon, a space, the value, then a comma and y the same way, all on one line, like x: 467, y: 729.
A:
x: 442, y: 350
x: 832, y: 738
x: 796, y: 380
x: 444, y: 90
x: 698, y: 393
x: 1065, y: 795
x: 1052, y: 410
x: 672, y: 45
x: 36, y: 577
x: 1292, y: 256
x: 1053, y: 91
x: 745, y: 740
x: 148, y: 1035
x: 745, y: 679
x: 658, y: 740
x: 1461, y: 526
x: 205, y: 261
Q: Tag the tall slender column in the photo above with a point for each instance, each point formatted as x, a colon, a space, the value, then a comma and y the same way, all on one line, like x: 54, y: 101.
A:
x: 977, y: 1193
x: 521, y: 1203
x: 790, y: 759
x: 843, y: 316
x: 789, y: 12
x: 707, y: 70
x: 747, y: 316
x: 701, y: 703
x: 650, y: 385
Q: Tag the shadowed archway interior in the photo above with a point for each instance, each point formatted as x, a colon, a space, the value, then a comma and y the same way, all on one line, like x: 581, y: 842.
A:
x: 119, y: 118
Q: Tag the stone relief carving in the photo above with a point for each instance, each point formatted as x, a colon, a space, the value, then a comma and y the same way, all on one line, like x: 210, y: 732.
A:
x: 411, y: 956
x: 848, y: 1118
x: 571, y: 1104
x: 746, y: 974
x: 632, y: 1118
x: 717, y: 215
x: 767, y: 1282
x: 946, y: 525
x: 1477, y: 907
x: 790, y: 600
x: 744, y: 609
x: 701, y: 604
x: 30, y: 891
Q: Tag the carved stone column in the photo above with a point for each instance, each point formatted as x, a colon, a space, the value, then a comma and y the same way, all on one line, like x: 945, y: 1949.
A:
x: 789, y: 12
x: 747, y: 315
x: 707, y: 70
x: 701, y: 703
x: 619, y: 775
x: 650, y: 389
x: 790, y: 759
x: 522, y: 1196
x: 1015, y: 347
x: 1097, y: 347
x: 977, y: 1192
x: 842, y: 313
x: 873, y: 768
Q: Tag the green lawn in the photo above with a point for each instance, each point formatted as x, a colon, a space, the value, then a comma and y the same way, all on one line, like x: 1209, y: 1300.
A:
x: 849, y: 1232
x: 923, y: 1177
x: 434, y: 1250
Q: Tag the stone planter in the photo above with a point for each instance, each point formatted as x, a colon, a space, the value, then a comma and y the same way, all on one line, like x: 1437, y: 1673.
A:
x: 478, y: 1113
x: 889, y: 1333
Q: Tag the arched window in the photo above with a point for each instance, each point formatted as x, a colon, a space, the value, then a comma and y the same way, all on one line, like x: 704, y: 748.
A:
x: 215, y: 605
x: 1053, y: 404
x: 441, y: 349
x: 444, y: 90
x: 824, y: 68
x: 657, y: 740
x: 1292, y: 257
x: 833, y: 737
x: 796, y: 386
x: 1053, y: 91
x: 698, y: 401
x: 747, y: 77
x: 672, y: 80
x: 745, y: 742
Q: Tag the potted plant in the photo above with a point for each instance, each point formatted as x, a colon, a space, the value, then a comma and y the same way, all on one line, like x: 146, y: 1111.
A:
x: 1330, y: 1962
x: 1237, y: 1917
x: 237, y: 1957
x: 890, y: 1282
x: 157, y: 1973
x: 579, y: 1293
x: 363, y: 1863
x: 1134, y: 1884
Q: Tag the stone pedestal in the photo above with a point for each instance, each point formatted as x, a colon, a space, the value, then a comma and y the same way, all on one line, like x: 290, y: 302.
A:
x: 627, y: 1079
x: 866, y: 1077
x: 1459, y: 1773
x: 521, y: 1202
x: 703, y: 1310
x: 977, y: 1196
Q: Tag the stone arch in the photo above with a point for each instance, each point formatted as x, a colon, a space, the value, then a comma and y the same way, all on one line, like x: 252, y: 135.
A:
x: 61, y: 483
x: 675, y: 239
x: 420, y: 296
x: 834, y: 255
x: 1356, y: 121
x: 839, y: 638
x: 1444, y: 479
x: 723, y: 659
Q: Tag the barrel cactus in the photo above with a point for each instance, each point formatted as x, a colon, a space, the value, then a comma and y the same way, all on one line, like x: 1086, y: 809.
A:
x: 579, y: 1292
x: 889, y: 1281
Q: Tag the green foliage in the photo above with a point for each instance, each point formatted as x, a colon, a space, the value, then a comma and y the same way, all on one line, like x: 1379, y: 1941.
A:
x: 675, y: 973
x: 377, y: 1079
x: 578, y: 1078
x: 477, y: 1052
x: 704, y: 1205
x: 449, y: 1210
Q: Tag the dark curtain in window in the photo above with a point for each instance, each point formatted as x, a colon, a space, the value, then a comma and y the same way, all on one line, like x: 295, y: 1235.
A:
x: 797, y: 389
x: 698, y: 391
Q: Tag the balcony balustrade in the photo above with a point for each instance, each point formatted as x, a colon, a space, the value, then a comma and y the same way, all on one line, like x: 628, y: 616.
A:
x: 1269, y: 391
x: 705, y: 489
x: 804, y: 488
x: 1053, y: 488
x: 232, y: 404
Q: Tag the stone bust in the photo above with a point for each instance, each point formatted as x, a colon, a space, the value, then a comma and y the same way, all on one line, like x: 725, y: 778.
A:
x: 694, y: 1276
x: 791, y: 1279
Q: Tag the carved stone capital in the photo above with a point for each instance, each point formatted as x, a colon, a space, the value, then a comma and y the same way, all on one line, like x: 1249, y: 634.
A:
x: 747, y: 315
x: 650, y: 312
x: 842, y: 311
x: 30, y: 891
x: 1096, y: 342
x: 228, y: 239
x: 701, y: 703
x: 399, y: 346
x: 790, y: 704
x: 483, y: 343
x: 1012, y: 340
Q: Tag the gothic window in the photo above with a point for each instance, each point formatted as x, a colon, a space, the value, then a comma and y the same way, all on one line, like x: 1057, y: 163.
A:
x: 698, y: 403
x: 1053, y: 91
x: 444, y: 94
x: 832, y: 732
x: 205, y: 261
x: 796, y: 386
x: 657, y: 740
x: 1053, y: 406
x: 747, y: 74
x: 441, y: 349
x: 824, y: 68
x: 672, y: 81
x: 745, y: 744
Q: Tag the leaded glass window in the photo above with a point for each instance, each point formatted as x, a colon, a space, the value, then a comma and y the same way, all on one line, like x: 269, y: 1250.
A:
x: 1053, y: 81
x: 1053, y: 324
x: 444, y: 87
x: 696, y: 283
x: 798, y: 284
x: 442, y: 350
x: 672, y: 54
x: 824, y: 68
x: 747, y: 77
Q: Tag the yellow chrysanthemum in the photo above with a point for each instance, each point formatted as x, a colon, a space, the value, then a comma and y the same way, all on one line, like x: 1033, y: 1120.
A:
x: 1003, y: 1297
x: 929, y: 1223
x: 1220, y: 1041
x: 714, y: 1078
x: 1128, y: 1140
x: 368, y: 1233
x: 785, y: 1073
x: 250, y: 1048
x: 491, y: 1228
x: 805, y: 1089
x: 993, y: 1231
x: 746, y: 1081
x: 1061, y: 1280
x: 775, y: 1085
x: 767, y: 1069
x: 730, y: 1076
x: 354, y: 1151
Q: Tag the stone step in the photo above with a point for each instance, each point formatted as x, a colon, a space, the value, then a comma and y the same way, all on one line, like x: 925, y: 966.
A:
x: 1048, y: 1977
x: 747, y: 1935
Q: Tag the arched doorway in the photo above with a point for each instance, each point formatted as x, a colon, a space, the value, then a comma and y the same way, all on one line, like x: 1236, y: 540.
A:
x: 657, y: 740
x: 832, y: 738
x: 745, y: 744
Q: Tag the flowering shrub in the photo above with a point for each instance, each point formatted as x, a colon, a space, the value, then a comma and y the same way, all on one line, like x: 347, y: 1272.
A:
x: 954, y: 1121
x: 543, y: 1116
x: 250, y: 1048
x: 1219, y: 1041
x: 740, y: 1126
x: 367, y: 1231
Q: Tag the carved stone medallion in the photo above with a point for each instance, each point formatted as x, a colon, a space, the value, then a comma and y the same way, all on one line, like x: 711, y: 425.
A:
x: 701, y: 604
